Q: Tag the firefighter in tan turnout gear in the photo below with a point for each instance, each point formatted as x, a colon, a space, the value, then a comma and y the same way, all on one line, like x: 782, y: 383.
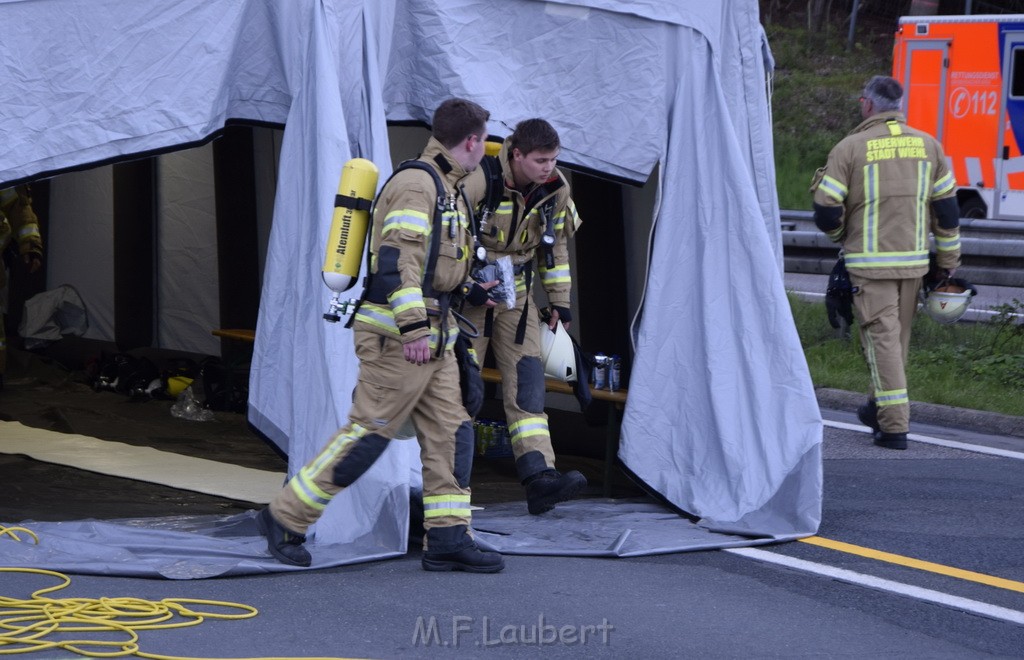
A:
x: 18, y: 224
x: 885, y: 188
x: 404, y: 333
x: 532, y: 220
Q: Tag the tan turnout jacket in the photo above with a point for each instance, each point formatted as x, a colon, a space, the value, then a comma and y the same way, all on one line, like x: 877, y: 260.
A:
x: 401, y: 237
x: 885, y: 175
x: 517, y: 227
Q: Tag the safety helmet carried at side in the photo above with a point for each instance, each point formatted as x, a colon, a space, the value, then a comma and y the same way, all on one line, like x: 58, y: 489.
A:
x: 557, y: 354
x: 949, y: 300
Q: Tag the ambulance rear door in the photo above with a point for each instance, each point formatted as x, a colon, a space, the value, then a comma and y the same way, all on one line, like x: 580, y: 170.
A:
x: 1008, y: 201
x: 926, y: 77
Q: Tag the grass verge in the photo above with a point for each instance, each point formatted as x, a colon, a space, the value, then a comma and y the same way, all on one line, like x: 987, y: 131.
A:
x: 971, y: 365
x: 814, y: 100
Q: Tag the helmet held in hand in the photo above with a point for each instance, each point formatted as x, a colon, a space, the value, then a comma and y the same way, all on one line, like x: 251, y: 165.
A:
x: 949, y: 300
x: 557, y: 354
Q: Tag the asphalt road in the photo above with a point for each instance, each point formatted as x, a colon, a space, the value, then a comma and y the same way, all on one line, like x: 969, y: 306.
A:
x: 956, y: 504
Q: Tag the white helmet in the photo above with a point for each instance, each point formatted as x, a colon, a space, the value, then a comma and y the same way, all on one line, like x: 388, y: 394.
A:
x: 557, y: 354
x: 948, y: 301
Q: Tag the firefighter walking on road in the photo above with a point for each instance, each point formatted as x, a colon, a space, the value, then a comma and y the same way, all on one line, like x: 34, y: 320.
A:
x: 18, y: 225
x: 404, y: 336
x: 885, y: 188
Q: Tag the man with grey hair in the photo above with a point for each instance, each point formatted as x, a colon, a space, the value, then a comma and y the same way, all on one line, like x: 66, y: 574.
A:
x: 885, y: 187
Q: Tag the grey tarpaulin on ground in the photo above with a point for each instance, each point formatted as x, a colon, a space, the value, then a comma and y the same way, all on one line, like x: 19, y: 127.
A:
x: 194, y: 547
x: 178, y: 547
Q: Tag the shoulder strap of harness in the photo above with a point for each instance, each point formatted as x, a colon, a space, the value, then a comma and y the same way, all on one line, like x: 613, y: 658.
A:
x: 435, y: 233
x: 495, y: 190
x: 547, y: 214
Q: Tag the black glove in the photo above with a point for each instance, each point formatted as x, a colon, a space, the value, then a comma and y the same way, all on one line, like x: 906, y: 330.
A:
x: 564, y: 314
x: 839, y: 308
x: 935, y: 276
x: 475, y: 294
x: 839, y: 296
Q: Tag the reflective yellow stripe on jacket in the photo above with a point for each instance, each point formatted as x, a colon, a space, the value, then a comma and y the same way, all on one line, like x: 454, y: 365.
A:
x: 404, y: 299
x: 947, y: 243
x: 833, y: 188
x: 921, y: 210
x: 558, y: 274
x: 381, y: 316
x: 944, y: 185
x: 406, y: 219
x: 871, y: 256
x: 29, y: 231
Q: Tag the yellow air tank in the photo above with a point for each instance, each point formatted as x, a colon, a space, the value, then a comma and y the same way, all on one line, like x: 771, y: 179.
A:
x: 351, y: 220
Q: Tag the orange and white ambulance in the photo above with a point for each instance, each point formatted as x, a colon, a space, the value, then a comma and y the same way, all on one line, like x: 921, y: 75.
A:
x: 963, y: 80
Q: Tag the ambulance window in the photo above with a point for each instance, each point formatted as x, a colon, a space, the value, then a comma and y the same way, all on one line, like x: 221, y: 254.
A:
x: 1017, y: 74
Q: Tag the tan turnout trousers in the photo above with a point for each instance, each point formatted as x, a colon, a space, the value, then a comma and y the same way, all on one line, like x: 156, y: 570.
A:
x: 885, y: 310
x: 390, y: 390
x: 522, y: 382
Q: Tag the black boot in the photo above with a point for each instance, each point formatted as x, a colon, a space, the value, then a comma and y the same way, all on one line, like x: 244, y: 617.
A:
x: 286, y: 546
x: 891, y: 440
x: 546, y: 489
x: 471, y: 560
x: 868, y: 415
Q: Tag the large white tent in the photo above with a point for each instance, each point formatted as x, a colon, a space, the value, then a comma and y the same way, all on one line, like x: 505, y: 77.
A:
x: 721, y: 418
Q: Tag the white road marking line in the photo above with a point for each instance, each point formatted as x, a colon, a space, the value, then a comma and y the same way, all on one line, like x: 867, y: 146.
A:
x: 846, y: 426
x: 860, y: 579
x: 952, y: 444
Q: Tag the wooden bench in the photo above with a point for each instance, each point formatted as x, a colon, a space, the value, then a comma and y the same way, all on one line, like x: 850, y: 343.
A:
x: 238, y: 358
x: 239, y: 334
x: 617, y: 399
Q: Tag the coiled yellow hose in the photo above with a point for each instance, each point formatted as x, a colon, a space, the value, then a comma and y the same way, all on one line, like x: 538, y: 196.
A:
x: 31, y: 625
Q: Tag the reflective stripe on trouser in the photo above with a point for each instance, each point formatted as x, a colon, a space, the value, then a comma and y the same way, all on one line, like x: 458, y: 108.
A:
x: 524, y: 402
x: 885, y: 310
x: 390, y: 390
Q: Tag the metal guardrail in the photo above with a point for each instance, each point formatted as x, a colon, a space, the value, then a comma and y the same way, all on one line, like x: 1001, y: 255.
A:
x: 1010, y: 227
x: 986, y: 258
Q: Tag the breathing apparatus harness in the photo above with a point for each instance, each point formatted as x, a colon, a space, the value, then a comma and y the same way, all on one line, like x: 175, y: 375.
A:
x: 372, y: 290
x: 494, y: 177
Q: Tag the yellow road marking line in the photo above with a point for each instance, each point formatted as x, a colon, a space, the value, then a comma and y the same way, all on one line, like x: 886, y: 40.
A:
x: 872, y: 582
x: 990, y: 580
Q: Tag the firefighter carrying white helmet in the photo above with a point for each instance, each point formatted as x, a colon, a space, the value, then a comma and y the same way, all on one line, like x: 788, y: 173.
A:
x: 948, y: 301
x: 557, y: 353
